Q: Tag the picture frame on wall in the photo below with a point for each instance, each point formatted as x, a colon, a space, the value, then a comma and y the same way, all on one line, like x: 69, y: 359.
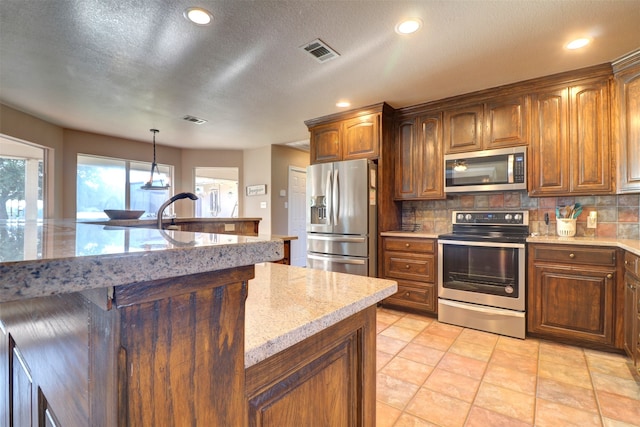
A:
x: 256, y: 190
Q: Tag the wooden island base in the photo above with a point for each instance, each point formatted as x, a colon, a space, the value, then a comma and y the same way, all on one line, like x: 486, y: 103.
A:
x: 171, y: 353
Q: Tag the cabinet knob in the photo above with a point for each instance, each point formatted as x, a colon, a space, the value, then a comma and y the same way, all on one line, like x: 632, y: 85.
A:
x: 407, y: 294
x: 609, y: 276
x: 407, y: 245
x: 626, y: 262
x: 572, y: 256
x: 407, y: 266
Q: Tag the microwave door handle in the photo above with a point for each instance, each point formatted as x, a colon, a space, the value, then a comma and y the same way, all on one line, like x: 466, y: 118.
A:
x: 329, y: 198
x: 336, y: 198
x: 510, y: 169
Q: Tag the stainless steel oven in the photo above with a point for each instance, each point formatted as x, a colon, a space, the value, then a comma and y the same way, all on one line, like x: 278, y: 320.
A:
x: 481, y: 272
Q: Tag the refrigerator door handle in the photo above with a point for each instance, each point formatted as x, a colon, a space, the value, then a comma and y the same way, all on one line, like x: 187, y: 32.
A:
x: 337, y: 239
x: 336, y: 198
x: 329, y: 198
x: 337, y: 260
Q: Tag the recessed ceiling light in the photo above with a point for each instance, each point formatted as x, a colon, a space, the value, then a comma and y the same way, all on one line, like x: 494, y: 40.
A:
x: 198, y: 15
x: 578, y: 43
x: 409, y: 26
x: 343, y: 104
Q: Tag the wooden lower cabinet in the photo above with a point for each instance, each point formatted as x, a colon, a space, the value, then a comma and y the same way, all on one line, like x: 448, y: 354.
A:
x: 326, y: 380
x: 632, y: 308
x: 573, y: 295
x: 412, y: 263
x: 163, y: 353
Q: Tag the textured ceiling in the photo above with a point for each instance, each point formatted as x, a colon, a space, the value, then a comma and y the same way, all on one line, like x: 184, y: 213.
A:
x: 122, y: 67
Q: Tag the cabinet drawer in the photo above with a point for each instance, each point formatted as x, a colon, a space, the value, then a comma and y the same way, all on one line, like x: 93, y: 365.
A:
x: 632, y: 263
x: 575, y: 255
x: 412, y: 267
x: 409, y: 245
x: 414, y: 295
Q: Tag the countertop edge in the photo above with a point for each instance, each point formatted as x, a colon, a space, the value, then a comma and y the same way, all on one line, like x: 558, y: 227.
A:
x: 626, y: 244
x: 45, y: 277
x: 337, y: 297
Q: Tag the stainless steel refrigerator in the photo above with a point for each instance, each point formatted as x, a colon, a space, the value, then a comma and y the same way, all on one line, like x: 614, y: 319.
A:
x: 341, y: 221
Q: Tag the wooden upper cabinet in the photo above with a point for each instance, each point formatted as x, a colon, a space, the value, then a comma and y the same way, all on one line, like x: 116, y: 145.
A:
x: 507, y: 122
x: 499, y: 123
x: 549, y: 153
x: 570, y: 151
x: 590, y: 150
x: 355, y: 138
x: 406, y: 153
x: 361, y: 137
x: 628, y: 111
x: 419, y: 160
x: 325, y: 143
x: 463, y: 129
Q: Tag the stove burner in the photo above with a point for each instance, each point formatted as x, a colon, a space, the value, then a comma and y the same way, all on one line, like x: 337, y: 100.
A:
x: 502, y: 226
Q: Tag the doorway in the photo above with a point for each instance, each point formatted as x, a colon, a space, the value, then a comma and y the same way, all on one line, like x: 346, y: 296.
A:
x: 217, y: 191
x: 297, y: 215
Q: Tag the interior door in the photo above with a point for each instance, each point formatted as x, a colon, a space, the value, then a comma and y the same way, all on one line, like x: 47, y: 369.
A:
x: 297, y: 213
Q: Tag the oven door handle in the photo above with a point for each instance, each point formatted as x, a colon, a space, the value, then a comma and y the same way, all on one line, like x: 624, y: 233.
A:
x: 483, y: 244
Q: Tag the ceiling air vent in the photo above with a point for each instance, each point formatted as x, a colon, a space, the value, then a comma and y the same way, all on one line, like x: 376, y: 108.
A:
x: 320, y: 50
x: 195, y: 120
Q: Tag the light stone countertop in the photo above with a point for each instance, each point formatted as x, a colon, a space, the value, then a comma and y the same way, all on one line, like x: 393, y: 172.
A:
x: 630, y: 245
x: 416, y: 234
x: 62, y: 256
x: 289, y: 304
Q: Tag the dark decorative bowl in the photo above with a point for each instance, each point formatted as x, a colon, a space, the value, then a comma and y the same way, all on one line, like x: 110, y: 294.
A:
x: 123, y: 214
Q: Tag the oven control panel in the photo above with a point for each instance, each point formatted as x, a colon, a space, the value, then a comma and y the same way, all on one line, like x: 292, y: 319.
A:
x: 491, y: 218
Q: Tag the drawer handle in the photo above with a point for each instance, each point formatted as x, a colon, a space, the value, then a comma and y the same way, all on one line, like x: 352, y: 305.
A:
x: 609, y: 276
x: 407, y: 294
x: 626, y: 262
x: 572, y: 256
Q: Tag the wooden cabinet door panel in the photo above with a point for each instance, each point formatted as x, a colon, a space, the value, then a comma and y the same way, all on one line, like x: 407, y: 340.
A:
x: 414, y: 295
x: 463, y: 129
x: 507, y: 123
x: 631, y: 292
x: 590, y: 147
x: 21, y: 391
x: 410, y: 245
x: 573, y: 304
x: 549, y: 160
x: 406, y: 150
x: 325, y: 143
x: 409, y: 266
x: 361, y: 137
x: 430, y: 158
x: 629, y: 111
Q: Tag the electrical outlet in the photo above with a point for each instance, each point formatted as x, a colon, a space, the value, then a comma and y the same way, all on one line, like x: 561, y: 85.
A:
x: 592, y: 219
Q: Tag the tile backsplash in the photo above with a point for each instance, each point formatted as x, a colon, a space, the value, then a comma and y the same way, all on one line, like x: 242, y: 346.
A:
x: 618, y: 216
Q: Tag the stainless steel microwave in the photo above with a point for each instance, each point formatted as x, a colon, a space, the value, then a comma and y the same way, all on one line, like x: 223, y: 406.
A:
x: 490, y: 170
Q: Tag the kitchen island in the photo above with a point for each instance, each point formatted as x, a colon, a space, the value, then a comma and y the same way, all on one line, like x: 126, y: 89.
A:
x: 138, y: 329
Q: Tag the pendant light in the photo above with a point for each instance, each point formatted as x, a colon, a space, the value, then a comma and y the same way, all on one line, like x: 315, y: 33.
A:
x: 154, y: 167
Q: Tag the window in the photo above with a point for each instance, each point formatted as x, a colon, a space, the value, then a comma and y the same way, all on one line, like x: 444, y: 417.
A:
x: 21, y: 180
x: 107, y: 183
x: 217, y: 191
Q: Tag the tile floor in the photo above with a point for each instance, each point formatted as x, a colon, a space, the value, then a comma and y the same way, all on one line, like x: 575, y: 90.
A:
x: 434, y: 374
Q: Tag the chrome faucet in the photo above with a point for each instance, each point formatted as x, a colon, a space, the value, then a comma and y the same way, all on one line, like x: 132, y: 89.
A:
x: 171, y: 200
